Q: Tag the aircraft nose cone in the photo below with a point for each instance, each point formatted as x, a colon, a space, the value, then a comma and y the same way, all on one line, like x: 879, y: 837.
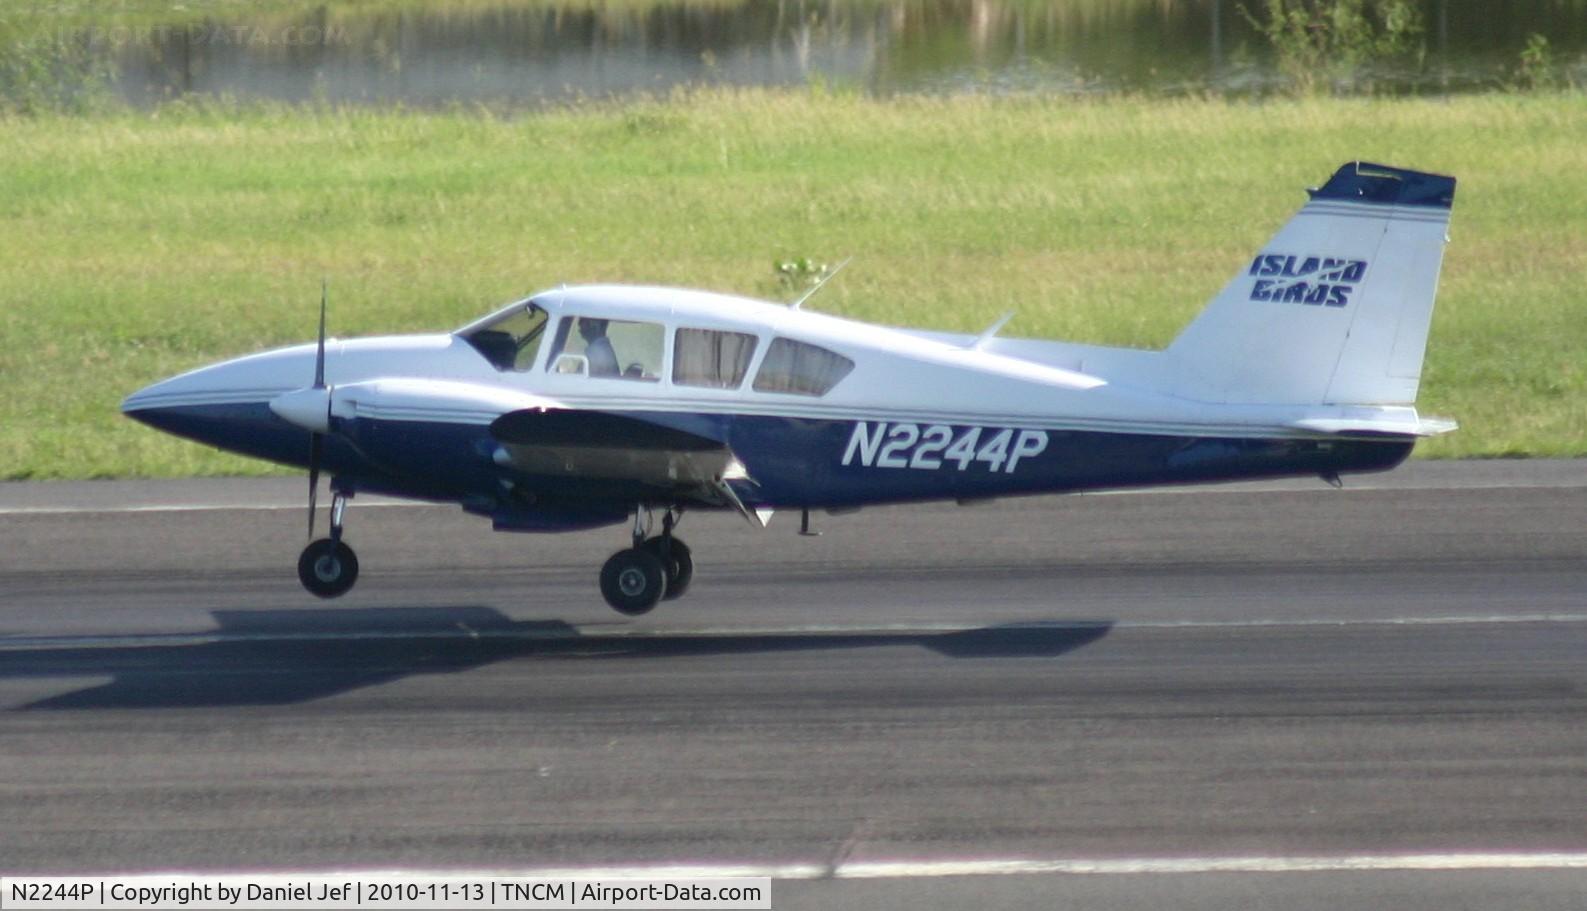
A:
x: 228, y: 404
x: 251, y: 380
x: 135, y: 402
x: 143, y: 404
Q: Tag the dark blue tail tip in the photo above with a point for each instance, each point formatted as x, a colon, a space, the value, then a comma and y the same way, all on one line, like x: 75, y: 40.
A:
x: 1362, y: 181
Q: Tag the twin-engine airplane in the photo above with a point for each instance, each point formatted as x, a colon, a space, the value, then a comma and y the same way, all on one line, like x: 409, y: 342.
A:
x: 590, y: 406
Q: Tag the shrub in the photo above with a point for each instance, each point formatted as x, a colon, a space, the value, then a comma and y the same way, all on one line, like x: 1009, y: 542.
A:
x: 1332, y: 44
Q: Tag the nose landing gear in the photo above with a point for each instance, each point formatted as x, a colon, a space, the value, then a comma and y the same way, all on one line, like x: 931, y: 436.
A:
x: 328, y: 567
x: 656, y: 568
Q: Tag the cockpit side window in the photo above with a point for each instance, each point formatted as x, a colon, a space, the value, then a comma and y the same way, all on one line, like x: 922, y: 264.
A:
x: 512, y: 341
x: 706, y: 357
x: 609, y: 348
x: 800, y: 368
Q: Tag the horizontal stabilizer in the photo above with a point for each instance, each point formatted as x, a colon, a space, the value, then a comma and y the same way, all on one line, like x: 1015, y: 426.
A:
x: 1415, y: 427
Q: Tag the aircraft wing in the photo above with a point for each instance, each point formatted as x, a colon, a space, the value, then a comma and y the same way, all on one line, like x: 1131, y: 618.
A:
x: 596, y: 445
x: 439, y: 401
x: 543, y: 437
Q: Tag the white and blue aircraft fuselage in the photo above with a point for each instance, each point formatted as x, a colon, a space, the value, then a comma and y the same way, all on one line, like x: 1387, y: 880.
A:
x: 589, y: 406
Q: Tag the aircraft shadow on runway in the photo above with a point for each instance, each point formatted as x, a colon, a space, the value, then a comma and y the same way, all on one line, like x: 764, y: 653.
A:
x: 278, y: 657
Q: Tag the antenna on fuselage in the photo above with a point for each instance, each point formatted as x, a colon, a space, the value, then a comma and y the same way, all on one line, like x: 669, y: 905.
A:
x: 990, y: 332
x: 820, y: 283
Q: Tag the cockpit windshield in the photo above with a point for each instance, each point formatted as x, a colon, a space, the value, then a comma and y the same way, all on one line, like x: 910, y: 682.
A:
x: 511, y: 341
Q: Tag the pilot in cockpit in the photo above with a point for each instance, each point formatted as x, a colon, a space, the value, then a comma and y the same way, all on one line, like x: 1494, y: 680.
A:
x: 598, y: 348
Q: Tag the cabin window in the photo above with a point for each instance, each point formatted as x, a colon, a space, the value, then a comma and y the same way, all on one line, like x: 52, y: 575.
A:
x: 511, y: 342
x: 801, y: 369
x: 608, y: 348
x: 706, y: 357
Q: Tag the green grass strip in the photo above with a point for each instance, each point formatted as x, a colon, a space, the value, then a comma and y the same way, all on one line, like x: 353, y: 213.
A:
x: 136, y: 245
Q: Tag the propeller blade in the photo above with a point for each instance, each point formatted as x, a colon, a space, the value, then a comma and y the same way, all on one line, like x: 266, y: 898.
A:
x: 316, y: 442
x: 316, y: 447
x: 319, y: 357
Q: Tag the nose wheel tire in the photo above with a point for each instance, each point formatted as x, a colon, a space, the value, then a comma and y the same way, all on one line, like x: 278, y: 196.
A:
x: 678, y: 563
x: 328, y: 568
x: 632, y: 581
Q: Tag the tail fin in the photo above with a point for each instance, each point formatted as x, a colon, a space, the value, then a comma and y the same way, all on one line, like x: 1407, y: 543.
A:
x: 1335, y: 309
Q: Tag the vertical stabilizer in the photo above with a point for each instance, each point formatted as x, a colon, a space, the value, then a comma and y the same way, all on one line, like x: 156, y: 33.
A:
x: 1336, y: 308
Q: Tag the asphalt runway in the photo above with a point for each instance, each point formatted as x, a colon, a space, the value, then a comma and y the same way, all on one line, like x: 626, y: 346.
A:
x: 1272, y: 695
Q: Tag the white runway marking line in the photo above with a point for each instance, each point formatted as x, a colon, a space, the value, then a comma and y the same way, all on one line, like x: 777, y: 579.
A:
x: 1189, y: 865
x: 195, y: 507
x: 926, y: 869
x: 1235, y: 487
x: 603, y: 634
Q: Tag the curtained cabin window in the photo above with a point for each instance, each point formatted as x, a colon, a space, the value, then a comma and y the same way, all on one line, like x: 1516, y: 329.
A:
x: 707, y: 357
x: 800, y: 368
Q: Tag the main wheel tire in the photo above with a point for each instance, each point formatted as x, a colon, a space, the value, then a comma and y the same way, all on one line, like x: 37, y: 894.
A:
x: 679, y: 564
x: 328, y: 568
x: 632, y: 581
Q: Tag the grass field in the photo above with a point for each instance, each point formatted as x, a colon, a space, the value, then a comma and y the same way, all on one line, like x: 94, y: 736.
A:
x: 136, y: 246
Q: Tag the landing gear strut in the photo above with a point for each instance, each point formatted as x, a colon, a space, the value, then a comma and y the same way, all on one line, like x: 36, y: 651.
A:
x: 674, y: 556
x: 634, y: 580
x: 328, y: 567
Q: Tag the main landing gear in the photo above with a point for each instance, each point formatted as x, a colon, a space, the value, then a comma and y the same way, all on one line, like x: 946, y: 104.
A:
x: 633, y: 581
x: 328, y: 567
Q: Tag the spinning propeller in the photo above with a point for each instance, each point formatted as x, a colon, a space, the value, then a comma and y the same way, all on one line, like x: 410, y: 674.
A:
x: 310, y: 408
x: 317, y: 439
